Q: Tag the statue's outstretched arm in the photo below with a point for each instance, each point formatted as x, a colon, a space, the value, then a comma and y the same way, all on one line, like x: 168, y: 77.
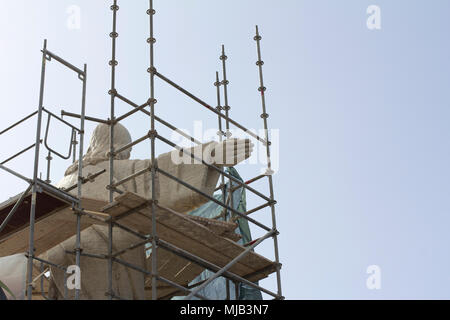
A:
x: 227, y: 153
x: 230, y: 152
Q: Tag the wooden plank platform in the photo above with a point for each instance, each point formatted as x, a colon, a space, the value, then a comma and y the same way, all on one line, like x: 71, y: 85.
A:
x: 55, y: 222
x: 211, y: 240
x: 180, y: 230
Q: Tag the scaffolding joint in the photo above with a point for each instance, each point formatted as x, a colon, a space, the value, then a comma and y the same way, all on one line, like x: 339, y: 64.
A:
x: 48, y: 57
x: 152, y: 101
x: 76, y: 250
x: 112, y: 92
x: 152, y: 70
x: 114, y: 189
x: 152, y: 134
x: 274, y: 233
x: 155, y: 238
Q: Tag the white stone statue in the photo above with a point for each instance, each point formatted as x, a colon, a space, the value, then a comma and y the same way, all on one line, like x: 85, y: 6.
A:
x: 129, y: 283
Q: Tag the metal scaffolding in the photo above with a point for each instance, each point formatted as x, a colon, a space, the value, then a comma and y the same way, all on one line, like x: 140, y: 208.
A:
x: 229, y: 213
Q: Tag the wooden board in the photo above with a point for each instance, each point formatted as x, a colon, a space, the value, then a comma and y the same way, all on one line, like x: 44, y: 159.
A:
x: 55, y: 222
x: 134, y: 212
x: 222, y: 228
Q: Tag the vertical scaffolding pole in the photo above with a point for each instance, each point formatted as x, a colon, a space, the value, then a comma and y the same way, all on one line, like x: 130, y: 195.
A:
x: 222, y: 179
x: 113, y: 63
x: 225, y: 83
x: 269, y: 172
x: 80, y: 177
x: 49, y: 159
x: 75, y: 142
x: 227, y: 109
x: 151, y: 12
x: 220, y: 133
x: 35, y: 177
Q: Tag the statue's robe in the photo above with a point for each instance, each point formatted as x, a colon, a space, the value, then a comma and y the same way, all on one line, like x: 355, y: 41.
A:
x: 169, y: 192
x: 127, y: 283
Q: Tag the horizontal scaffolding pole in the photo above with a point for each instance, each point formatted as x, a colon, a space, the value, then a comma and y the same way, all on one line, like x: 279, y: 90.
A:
x: 165, y: 123
x: 14, y: 209
x: 139, y: 269
x: 184, y: 254
x: 262, y: 226
x: 89, y: 178
x: 131, y: 266
x: 18, y: 175
x: 63, y: 62
x: 134, y: 246
x: 181, y: 253
x: 131, y: 144
x: 18, y: 122
x: 134, y: 175
x: 57, y: 192
x: 176, y: 285
x: 210, y: 266
x: 246, y: 182
x: 91, y: 215
x: 87, y: 254
x: 62, y: 120
x: 210, y: 108
x: 131, y: 211
x: 131, y: 231
x: 229, y: 176
x: 117, y: 260
x: 256, y: 179
x: 20, y: 153
x: 265, y: 205
x: 231, y: 263
x: 131, y: 112
x: 74, y: 115
x: 47, y: 262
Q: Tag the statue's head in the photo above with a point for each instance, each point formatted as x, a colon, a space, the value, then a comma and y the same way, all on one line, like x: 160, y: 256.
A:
x: 99, y: 146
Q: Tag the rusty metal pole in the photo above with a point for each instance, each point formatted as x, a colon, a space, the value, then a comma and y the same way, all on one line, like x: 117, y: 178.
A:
x: 269, y: 172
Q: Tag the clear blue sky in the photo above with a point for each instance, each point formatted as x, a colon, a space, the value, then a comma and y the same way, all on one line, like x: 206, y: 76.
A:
x: 363, y: 118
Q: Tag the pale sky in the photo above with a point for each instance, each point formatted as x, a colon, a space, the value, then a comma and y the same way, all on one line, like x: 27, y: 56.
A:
x: 362, y: 115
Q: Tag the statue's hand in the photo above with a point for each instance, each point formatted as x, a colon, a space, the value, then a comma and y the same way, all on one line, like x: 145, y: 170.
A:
x: 230, y: 152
